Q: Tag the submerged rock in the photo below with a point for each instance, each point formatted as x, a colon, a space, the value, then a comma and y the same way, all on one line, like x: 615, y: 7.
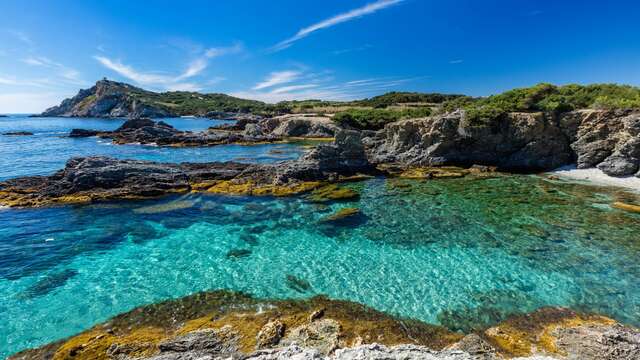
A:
x: 238, y: 253
x: 297, y: 284
x: 341, y: 214
x: 47, y: 284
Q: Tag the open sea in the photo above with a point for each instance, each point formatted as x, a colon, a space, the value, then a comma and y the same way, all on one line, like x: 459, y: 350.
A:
x: 464, y: 253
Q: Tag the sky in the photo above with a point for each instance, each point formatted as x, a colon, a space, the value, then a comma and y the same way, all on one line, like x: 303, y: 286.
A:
x: 330, y: 49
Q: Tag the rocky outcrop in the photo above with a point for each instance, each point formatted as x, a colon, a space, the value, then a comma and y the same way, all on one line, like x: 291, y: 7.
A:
x: 221, y: 324
x: 147, y: 131
x: 89, y: 179
x: 107, y: 99
x: 18, y: 133
x: 299, y: 126
x: 609, y: 140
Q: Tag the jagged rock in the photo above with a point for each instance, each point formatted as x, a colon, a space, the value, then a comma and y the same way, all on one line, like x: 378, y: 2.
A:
x: 84, y: 180
x: 301, y: 126
x: 477, y: 347
x: 597, y: 341
x: 270, y: 334
x: 400, y: 352
x: 515, y: 141
x: 521, y: 141
x: 321, y: 335
x: 200, y: 344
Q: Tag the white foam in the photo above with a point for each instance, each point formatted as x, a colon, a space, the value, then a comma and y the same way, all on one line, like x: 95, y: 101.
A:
x: 597, y: 177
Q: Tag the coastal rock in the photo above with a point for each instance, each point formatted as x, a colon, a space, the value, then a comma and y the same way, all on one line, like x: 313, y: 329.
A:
x: 301, y: 126
x: 321, y: 335
x: 18, y: 133
x: 81, y: 133
x: 607, y: 139
x: 270, y: 334
x: 518, y: 141
x: 107, y: 99
x: 224, y: 324
x: 147, y: 131
x: 84, y: 180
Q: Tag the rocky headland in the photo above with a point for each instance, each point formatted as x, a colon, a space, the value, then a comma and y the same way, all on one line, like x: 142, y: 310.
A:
x: 228, y: 325
x: 111, y: 99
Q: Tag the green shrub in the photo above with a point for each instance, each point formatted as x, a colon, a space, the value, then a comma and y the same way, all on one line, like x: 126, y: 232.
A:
x: 548, y: 98
x: 375, y: 119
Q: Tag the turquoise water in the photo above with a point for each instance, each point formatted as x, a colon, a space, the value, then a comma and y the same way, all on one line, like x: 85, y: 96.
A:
x: 462, y: 253
x: 49, y: 149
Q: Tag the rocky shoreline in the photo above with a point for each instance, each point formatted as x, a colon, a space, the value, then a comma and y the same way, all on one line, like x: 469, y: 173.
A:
x: 246, y: 131
x: 229, y: 325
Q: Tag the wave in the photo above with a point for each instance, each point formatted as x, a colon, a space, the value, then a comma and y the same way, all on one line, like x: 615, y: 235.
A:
x: 597, y: 177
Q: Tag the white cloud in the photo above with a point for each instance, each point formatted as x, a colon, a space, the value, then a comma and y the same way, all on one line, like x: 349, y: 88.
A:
x: 220, y: 51
x: 288, y: 89
x: 335, y: 20
x: 67, y: 73
x: 277, y: 78
x: 318, y: 88
x: 169, y: 82
x: 457, y: 61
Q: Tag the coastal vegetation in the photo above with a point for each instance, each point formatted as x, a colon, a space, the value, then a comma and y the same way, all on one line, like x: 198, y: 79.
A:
x: 376, y: 119
x: 548, y: 98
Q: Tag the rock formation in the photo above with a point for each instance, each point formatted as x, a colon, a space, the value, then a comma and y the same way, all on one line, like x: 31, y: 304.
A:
x: 146, y: 131
x: 217, y: 325
x: 91, y: 179
x: 107, y: 99
x: 527, y: 142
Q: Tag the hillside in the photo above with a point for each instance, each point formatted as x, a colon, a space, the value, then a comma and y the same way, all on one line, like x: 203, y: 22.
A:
x: 115, y: 99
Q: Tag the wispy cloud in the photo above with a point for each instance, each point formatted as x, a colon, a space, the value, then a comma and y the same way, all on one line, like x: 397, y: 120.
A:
x: 22, y: 36
x: 335, y: 20
x: 69, y: 74
x: 168, y: 82
x: 277, y: 78
x: 457, y: 61
x: 350, y: 50
x: 220, y: 51
x: 303, y: 84
x: 288, y: 89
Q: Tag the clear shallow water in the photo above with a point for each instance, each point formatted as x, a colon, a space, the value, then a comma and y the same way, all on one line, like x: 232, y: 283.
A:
x: 463, y: 253
x: 48, y: 149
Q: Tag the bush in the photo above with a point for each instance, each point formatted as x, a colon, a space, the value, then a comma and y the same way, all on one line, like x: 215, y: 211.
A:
x: 548, y: 98
x: 376, y: 119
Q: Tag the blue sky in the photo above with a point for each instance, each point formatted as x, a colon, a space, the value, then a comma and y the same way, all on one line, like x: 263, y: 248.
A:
x: 330, y: 49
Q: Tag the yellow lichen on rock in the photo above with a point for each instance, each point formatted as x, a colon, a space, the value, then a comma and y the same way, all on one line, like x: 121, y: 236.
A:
x: 231, y: 187
x: 99, y: 344
x: 333, y: 192
x: 341, y: 214
x: 531, y: 334
x: 626, y: 207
